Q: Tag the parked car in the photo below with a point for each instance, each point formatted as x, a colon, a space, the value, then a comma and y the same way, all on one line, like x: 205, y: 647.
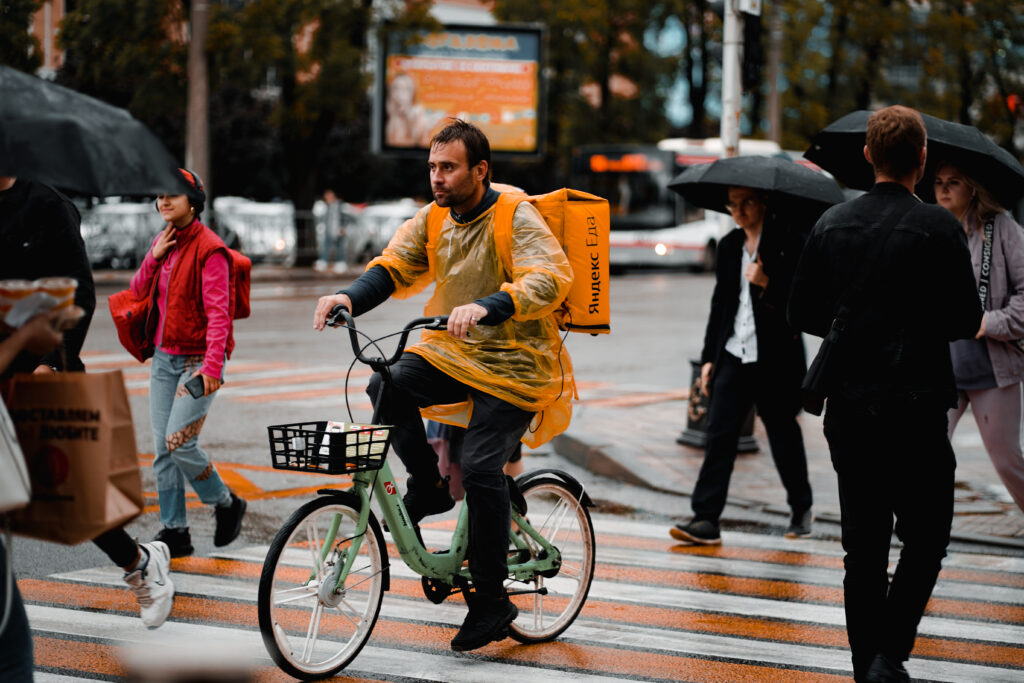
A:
x: 117, y: 234
x: 263, y: 231
x: 376, y: 226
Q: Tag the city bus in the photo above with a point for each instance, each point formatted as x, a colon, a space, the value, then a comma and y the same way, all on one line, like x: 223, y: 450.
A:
x: 650, y: 224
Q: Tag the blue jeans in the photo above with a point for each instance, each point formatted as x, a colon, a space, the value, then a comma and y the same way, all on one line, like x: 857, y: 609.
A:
x: 177, y: 419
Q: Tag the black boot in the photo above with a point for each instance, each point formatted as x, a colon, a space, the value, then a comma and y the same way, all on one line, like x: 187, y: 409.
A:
x: 423, y: 501
x: 884, y: 670
x: 178, y: 541
x: 487, y: 621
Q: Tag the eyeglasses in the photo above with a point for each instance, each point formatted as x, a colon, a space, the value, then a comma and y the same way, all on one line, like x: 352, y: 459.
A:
x: 747, y: 203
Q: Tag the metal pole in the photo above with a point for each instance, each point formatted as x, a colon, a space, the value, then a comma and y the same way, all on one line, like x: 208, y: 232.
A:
x: 197, y: 126
x: 732, y: 90
x: 774, y: 60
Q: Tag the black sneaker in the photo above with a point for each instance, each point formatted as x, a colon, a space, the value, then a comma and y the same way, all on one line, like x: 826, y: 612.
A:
x: 800, y: 525
x: 701, y: 532
x: 229, y: 521
x: 884, y: 670
x: 178, y: 541
x: 423, y: 501
x: 486, y: 622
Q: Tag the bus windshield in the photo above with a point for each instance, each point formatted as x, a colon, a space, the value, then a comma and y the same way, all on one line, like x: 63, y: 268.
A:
x: 634, y: 180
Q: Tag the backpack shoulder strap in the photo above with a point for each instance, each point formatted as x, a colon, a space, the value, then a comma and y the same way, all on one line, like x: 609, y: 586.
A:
x: 435, y: 221
x: 503, y: 212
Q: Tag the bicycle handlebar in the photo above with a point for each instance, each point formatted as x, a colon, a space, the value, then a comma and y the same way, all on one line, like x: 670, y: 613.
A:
x: 437, y: 322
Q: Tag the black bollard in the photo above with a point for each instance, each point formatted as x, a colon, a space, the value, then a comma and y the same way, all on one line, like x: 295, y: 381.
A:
x: 697, y: 417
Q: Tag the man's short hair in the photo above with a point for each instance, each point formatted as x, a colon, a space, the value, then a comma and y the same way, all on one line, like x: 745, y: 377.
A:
x: 896, y: 136
x: 478, y: 148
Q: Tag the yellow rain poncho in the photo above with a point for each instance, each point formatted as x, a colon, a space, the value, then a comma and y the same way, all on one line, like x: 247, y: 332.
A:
x: 521, y: 360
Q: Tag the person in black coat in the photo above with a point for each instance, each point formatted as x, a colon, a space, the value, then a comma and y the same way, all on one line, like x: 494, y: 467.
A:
x: 891, y: 385
x: 751, y: 357
x: 40, y: 237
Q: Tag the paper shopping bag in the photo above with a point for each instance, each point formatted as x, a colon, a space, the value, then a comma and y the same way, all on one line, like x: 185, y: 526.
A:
x: 78, y: 439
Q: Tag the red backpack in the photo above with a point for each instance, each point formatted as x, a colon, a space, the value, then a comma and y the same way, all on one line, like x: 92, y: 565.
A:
x: 241, y: 278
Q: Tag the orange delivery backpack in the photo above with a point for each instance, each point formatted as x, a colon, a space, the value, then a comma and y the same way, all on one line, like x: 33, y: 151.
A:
x: 581, y: 223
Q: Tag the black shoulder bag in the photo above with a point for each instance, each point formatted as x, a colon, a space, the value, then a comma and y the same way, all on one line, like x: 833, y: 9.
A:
x: 817, y: 383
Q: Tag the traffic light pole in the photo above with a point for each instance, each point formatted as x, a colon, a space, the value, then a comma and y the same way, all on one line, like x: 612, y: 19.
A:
x: 732, y: 91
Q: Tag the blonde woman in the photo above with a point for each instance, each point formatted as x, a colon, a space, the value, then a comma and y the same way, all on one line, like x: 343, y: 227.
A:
x: 989, y: 368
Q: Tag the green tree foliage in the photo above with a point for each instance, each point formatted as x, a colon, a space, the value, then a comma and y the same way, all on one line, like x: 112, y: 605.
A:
x: 598, y: 47
x: 18, y: 48
x: 306, y: 60
x: 955, y: 59
x: 132, y: 55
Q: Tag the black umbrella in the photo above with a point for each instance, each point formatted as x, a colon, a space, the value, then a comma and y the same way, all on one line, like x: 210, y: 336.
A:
x: 839, y: 149
x: 790, y: 188
x: 77, y: 143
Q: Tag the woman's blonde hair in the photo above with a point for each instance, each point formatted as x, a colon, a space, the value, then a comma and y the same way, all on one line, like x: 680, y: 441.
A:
x: 982, y: 204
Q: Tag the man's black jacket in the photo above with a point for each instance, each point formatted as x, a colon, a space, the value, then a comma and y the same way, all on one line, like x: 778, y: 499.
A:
x: 780, y: 349
x: 40, y: 237
x: 920, y: 296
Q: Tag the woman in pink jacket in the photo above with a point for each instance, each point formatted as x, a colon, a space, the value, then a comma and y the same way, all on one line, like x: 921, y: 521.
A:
x: 189, y: 266
x: 989, y: 368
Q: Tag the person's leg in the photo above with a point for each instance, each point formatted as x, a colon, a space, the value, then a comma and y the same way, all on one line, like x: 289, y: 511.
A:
x: 415, y: 384
x: 188, y: 414
x: 184, y: 423
x: 954, y: 414
x: 998, y: 413
x: 922, y: 479
x: 855, y: 440
x: 730, y: 401
x: 164, y: 375
x: 786, y: 443
x: 146, y: 571
x: 119, y: 547
x: 16, y: 654
x: 494, y: 430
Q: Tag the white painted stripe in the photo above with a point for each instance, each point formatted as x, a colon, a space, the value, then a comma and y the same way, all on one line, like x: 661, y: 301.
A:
x: 688, y: 644
x: 627, y: 527
x: 671, y: 598
x: 374, y: 660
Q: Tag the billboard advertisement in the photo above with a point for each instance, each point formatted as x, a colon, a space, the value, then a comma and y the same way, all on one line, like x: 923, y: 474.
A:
x: 487, y: 75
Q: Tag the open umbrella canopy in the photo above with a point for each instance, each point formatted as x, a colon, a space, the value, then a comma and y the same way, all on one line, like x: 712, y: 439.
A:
x: 789, y: 187
x: 839, y: 149
x: 77, y: 143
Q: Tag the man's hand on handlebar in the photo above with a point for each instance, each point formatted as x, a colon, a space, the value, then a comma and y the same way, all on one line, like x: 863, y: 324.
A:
x: 464, y: 317
x: 324, y: 305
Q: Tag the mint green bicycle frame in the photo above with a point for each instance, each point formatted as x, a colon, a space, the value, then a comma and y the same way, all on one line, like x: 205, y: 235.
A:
x: 445, y: 565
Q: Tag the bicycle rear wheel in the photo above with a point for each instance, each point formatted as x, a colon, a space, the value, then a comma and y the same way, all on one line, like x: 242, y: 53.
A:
x: 554, y: 511
x: 312, y: 633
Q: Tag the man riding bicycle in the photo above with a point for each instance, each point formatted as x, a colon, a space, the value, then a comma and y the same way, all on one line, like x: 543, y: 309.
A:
x: 513, y: 370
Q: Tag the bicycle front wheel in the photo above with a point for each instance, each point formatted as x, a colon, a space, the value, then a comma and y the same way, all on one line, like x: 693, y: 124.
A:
x: 311, y: 629
x: 552, y: 603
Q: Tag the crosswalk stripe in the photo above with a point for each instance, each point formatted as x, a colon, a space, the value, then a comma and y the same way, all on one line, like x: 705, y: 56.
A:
x: 767, y: 608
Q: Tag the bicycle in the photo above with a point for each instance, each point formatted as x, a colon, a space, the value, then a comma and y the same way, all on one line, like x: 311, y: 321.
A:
x: 327, y: 569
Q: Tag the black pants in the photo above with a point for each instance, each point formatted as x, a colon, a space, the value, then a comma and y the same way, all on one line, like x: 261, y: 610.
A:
x: 891, y: 461
x: 118, y: 545
x: 16, y: 654
x: 494, y: 430
x: 734, y: 389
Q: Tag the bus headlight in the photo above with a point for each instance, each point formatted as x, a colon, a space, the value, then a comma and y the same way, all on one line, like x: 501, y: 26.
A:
x: 660, y: 249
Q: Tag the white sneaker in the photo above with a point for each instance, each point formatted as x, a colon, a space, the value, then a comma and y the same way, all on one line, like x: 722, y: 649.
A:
x: 152, y: 585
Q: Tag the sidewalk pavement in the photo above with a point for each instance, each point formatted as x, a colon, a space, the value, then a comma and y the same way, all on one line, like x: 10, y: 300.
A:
x: 636, y: 443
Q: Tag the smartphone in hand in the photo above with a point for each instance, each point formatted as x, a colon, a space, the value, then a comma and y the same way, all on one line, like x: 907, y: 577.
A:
x: 196, y: 386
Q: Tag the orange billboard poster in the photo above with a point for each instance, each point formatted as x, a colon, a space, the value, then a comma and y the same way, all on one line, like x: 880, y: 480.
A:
x: 487, y: 76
